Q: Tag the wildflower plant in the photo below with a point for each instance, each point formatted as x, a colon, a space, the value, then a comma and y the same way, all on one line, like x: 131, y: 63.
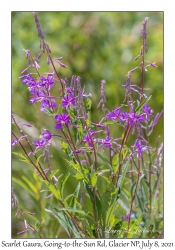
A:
x: 111, y: 173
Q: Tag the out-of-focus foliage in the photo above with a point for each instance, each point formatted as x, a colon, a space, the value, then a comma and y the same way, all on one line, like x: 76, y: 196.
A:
x: 95, y: 46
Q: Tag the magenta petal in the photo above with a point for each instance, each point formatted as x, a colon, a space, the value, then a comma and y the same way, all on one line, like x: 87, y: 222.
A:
x: 58, y: 126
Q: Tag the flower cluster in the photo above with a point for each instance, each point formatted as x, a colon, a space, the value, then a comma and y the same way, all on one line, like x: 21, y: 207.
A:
x: 131, y: 118
x: 40, y: 90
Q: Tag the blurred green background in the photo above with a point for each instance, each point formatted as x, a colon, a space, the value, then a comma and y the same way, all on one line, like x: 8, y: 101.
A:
x: 95, y: 46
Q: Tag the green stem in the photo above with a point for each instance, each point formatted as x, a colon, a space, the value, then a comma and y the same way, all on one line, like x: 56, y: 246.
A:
x: 125, y: 137
x: 73, y: 144
x: 134, y: 195
x: 150, y: 193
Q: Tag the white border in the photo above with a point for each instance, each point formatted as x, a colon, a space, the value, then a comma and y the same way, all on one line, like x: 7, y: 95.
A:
x: 5, y: 100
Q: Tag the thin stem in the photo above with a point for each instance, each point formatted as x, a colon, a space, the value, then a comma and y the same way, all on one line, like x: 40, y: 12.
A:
x: 150, y: 193
x: 55, y: 69
x: 89, y: 159
x: 13, y: 117
x: 44, y: 177
x: 132, y: 176
x: 93, y: 146
x: 134, y: 195
x: 73, y: 144
x: 125, y: 137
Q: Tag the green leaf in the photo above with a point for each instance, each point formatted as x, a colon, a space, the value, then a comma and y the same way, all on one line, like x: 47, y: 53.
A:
x: 74, y: 166
x: 79, y: 176
x: 138, y: 109
x: 122, y: 174
x: 123, y: 205
x: 94, y: 178
x: 91, y: 195
x: 30, y: 184
x: 118, y: 225
x: 49, y: 111
x: 126, y: 194
x: 99, y: 208
x: 67, y: 197
x: 38, y: 159
x: 52, y: 188
x: 80, y: 130
x: 140, y: 201
x: 22, y: 158
x: 112, y: 122
x: 115, y: 163
x: 65, y: 147
x: 134, y: 228
x: 89, y: 192
x: 70, y: 209
x: 88, y: 103
x: 26, y: 161
x: 75, y: 133
x: 106, y: 179
x: 20, y: 155
x: 63, y: 182
x: 85, y: 173
x: 133, y: 188
x: 74, y: 201
x: 155, y: 185
x: 145, y: 189
x: 81, y: 173
x: 105, y: 202
x: 54, y: 173
x: 77, y: 190
x: 105, y: 160
x: 24, y: 186
x: 110, y: 214
x: 37, y: 227
x: 62, y: 220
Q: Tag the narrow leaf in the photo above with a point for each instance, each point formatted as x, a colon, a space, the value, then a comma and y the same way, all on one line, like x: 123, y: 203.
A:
x: 138, y: 109
x: 54, y: 173
x: 133, y: 188
x: 122, y: 174
x: 105, y: 160
x: 94, y: 178
x: 38, y: 159
x: 30, y: 184
x: 115, y: 163
x: 70, y: 209
x: 52, y: 188
x: 63, y: 182
x: 24, y: 186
